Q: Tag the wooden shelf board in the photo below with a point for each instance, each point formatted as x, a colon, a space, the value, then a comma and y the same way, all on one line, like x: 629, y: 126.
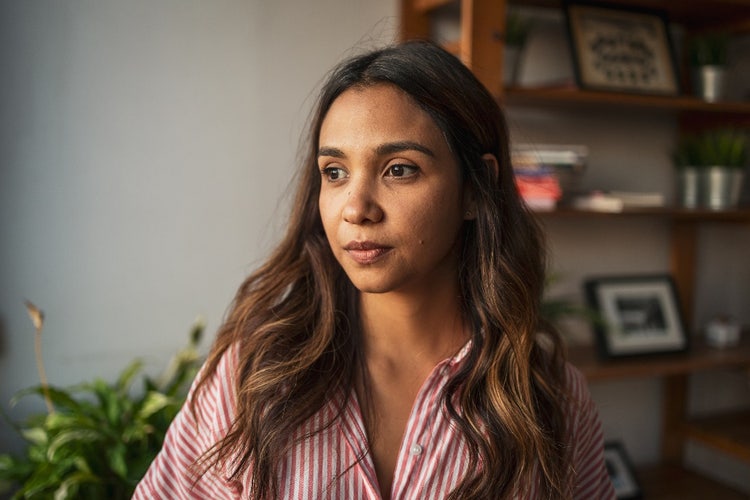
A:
x: 700, y: 357
x: 568, y: 96
x: 674, y: 482
x: 723, y: 13
x: 741, y: 215
x: 729, y: 433
x: 426, y: 6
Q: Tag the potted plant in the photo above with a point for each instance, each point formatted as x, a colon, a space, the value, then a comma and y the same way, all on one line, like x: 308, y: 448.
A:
x: 708, y: 61
x: 711, y: 167
x: 97, y: 439
x: 724, y: 155
x: 517, y: 30
x: 687, y: 161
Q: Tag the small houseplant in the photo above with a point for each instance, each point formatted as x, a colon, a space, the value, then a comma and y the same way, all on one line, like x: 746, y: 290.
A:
x: 517, y: 28
x: 687, y: 160
x: 708, y: 62
x: 719, y: 158
x: 96, y: 439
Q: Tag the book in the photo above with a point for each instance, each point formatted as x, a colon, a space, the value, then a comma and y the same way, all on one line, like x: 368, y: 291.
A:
x: 634, y: 199
x: 617, y: 201
x: 598, y: 201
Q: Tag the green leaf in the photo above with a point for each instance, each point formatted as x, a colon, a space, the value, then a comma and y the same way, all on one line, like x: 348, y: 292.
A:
x: 60, y: 397
x: 76, y: 435
x: 70, y: 486
x: 154, y: 402
x: 127, y: 375
x: 44, y: 478
x: 35, y: 435
x: 117, y: 462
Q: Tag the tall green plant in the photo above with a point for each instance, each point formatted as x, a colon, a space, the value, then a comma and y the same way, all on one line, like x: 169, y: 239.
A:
x: 709, y: 49
x: 517, y: 29
x: 98, y: 438
x: 726, y: 147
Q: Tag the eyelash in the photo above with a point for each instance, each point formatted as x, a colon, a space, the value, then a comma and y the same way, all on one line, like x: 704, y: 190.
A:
x: 328, y: 171
x: 408, y: 171
x: 404, y: 166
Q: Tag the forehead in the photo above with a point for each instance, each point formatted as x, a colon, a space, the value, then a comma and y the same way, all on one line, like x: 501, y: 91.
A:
x: 377, y: 112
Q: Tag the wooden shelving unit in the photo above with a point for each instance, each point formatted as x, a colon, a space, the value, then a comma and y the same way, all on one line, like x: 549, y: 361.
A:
x: 571, y: 96
x: 700, y: 357
x: 480, y: 47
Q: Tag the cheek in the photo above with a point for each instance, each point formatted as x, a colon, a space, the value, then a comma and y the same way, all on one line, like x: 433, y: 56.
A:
x: 327, y: 215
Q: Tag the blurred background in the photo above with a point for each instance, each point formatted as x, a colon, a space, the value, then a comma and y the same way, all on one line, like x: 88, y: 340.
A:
x: 146, y: 149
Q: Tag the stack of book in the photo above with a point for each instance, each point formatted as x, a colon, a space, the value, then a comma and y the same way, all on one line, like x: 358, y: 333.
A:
x: 544, y: 172
x: 538, y: 187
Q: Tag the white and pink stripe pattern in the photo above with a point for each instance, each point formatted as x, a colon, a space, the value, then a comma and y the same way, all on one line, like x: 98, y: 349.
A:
x: 333, y: 464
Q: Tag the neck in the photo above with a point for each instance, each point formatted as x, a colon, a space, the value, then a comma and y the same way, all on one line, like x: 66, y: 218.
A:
x: 421, y: 329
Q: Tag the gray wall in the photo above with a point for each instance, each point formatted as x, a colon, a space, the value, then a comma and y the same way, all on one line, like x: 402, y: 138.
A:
x: 144, y: 149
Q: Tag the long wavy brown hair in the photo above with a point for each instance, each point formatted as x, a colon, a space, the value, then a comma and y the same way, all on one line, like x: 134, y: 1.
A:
x: 295, y: 319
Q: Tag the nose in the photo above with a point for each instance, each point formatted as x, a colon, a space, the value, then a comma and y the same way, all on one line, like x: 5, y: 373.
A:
x: 361, y: 205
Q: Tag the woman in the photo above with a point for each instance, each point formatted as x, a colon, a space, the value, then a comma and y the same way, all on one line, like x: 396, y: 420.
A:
x: 391, y: 347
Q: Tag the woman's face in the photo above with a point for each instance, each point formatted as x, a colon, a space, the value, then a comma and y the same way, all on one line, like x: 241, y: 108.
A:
x: 391, y: 198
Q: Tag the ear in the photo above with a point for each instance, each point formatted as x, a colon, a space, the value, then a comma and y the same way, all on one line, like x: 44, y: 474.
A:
x: 470, y: 202
x: 491, y: 161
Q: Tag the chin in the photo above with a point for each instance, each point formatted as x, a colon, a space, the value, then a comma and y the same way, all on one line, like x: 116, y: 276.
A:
x: 365, y: 285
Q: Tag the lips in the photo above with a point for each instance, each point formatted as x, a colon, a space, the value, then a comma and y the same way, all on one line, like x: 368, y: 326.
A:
x: 366, y: 252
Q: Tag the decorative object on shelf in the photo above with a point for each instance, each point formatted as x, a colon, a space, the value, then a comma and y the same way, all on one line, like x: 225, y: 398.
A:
x: 722, y: 331
x: 621, y: 50
x: 687, y: 160
x: 564, y: 163
x: 538, y: 186
x: 617, y: 201
x: 517, y: 30
x: 712, y: 165
x: 621, y: 472
x: 97, y: 439
x: 708, y: 62
x: 640, y: 315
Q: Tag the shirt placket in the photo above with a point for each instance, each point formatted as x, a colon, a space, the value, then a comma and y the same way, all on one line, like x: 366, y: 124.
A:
x: 417, y: 442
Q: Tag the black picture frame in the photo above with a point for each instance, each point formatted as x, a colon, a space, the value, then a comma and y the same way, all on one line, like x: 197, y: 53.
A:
x: 618, y: 49
x: 637, y: 315
x: 621, y: 472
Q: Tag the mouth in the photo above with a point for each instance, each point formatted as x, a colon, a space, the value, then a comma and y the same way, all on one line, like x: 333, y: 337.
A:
x: 366, y: 252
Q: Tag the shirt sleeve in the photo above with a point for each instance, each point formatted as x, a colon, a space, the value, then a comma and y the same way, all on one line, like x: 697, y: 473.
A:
x: 203, y: 420
x: 587, y: 439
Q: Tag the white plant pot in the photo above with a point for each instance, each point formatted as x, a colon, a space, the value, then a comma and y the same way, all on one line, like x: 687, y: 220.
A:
x: 511, y: 60
x: 721, y: 187
x: 688, y: 187
x: 709, y: 82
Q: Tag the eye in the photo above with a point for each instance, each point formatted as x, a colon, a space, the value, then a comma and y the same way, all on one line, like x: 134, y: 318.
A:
x: 401, y: 170
x: 333, y: 173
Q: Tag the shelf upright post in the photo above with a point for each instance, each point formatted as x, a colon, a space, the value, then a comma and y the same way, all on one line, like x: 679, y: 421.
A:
x: 415, y: 22
x: 675, y: 387
x: 482, y: 35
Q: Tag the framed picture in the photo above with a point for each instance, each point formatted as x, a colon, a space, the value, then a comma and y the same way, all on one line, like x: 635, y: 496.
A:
x: 637, y: 315
x: 621, y: 50
x: 621, y: 472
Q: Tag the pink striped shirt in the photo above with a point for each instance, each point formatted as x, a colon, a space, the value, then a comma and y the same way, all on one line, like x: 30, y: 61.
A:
x: 431, y: 461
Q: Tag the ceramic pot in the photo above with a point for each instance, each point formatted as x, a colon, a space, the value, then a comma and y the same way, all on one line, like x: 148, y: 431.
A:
x: 511, y: 59
x: 721, y: 187
x: 688, y: 187
x: 709, y: 82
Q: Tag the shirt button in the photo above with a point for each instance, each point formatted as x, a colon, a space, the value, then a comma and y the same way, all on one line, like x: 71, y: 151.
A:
x: 416, y: 449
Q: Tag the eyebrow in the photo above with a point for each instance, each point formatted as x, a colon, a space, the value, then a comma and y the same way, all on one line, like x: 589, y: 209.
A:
x: 383, y: 149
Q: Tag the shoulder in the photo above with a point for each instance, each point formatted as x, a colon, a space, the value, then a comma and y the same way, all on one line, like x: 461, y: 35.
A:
x: 581, y: 411
x: 215, y: 401
x: 586, y: 439
x: 204, y: 420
